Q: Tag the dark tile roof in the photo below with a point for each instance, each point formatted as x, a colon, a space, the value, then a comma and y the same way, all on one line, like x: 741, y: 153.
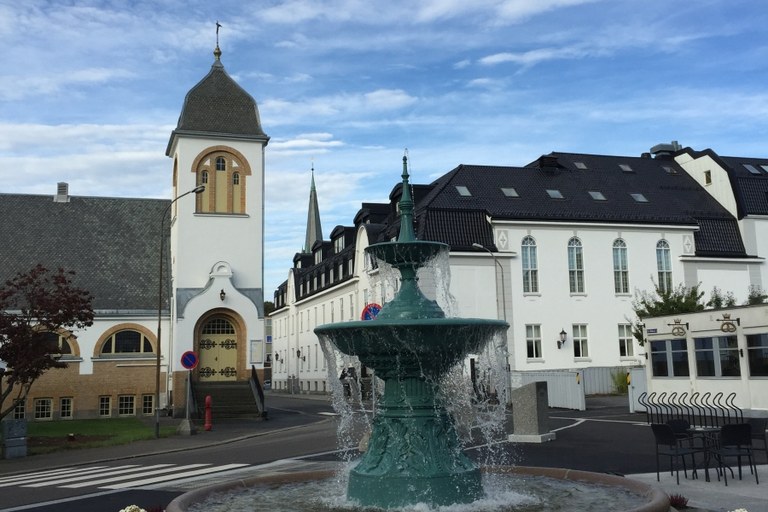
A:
x: 673, y: 197
x: 750, y: 188
x: 718, y: 237
x: 112, y: 244
x: 217, y: 105
x: 457, y: 228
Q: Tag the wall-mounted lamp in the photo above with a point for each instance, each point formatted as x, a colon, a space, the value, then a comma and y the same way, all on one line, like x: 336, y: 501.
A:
x: 277, y: 356
x: 222, y: 295
x: 298, y: 354
x: 563, y: 337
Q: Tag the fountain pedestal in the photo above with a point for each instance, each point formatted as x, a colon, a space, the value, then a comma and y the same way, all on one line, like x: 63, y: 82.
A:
x: 414, y: 453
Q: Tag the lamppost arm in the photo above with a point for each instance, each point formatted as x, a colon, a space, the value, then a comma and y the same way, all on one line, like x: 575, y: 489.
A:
x: 197, y: 190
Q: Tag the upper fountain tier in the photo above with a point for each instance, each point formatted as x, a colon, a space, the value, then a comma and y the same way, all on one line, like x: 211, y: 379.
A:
x: 408, y: 255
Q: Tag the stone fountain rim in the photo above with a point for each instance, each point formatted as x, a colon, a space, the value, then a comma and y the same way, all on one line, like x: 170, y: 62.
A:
x: 657, y: 500
x: 410, y: 323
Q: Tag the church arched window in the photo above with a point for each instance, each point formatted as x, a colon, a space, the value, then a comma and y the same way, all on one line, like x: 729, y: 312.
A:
x: 127, y: 341
x: 204, y: 177
x: 236, y: 178
x: 221, y: 164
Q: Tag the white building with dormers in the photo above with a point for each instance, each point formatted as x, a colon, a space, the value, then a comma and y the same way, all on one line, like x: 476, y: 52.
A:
x: 570, y: 238
x: 211, y: 294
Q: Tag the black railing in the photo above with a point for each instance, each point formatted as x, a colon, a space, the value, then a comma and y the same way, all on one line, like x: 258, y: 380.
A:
x: 705, y: 410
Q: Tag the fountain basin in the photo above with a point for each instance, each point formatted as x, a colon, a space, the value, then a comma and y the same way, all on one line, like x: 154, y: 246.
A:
x: 412, y: 347
x: 649, y: 498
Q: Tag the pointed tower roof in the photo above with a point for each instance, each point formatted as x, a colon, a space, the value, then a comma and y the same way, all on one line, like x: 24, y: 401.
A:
x: 218, y: 107
x: 314, y: 230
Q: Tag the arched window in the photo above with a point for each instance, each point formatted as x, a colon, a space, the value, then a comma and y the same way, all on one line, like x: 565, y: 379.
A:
x: 223, y: 170
x: 530, y: 266
x: 219, y: 326
x: 664, y: 266
x: 620, y: 267
x: 575, y: 266
x: 58, y: 344
x: 127, y: 342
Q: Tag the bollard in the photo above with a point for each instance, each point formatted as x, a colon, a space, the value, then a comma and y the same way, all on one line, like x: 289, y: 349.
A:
x: 208, y: 413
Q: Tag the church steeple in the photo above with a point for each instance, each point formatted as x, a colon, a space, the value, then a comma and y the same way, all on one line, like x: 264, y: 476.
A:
x: 314, y: 230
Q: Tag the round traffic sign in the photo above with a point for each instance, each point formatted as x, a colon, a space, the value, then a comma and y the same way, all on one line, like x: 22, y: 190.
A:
x: 370, y: 311
x: 189, y: 360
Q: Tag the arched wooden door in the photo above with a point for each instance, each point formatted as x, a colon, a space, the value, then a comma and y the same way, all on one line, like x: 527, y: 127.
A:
x: 218, y: 351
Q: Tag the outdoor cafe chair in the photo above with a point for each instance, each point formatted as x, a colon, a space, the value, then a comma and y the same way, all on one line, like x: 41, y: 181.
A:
x: 759, y: 426
x: 735, y: 442
x: 667, y: 444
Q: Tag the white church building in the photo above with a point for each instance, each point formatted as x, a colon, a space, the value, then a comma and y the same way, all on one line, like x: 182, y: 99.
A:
x: 208, y: 247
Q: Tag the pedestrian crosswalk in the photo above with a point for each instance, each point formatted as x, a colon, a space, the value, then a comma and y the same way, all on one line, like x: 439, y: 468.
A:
x: 125, y: 476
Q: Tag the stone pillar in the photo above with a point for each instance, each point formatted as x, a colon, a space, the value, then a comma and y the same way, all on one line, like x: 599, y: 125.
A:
x: 530, y: 415
x: 14, y: 436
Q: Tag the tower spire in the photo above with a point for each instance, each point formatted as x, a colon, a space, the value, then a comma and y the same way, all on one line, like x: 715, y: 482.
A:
x: 217, y: 51
x: 314, y: 230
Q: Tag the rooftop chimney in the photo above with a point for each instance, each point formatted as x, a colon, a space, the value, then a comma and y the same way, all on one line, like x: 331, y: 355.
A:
x: 62, y: 193
x: 665, y: 149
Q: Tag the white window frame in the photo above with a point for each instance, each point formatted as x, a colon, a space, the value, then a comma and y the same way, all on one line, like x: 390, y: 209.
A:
x: 580, y: 341
x: 626, y: 341
x: 664, y: 266
x: 533, y: 341
x: 575, y: 266
x: 529, y: 253
x: 620, y: 267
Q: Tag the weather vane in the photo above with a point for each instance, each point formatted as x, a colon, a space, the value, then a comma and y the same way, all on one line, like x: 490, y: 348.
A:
x: 218, y: 26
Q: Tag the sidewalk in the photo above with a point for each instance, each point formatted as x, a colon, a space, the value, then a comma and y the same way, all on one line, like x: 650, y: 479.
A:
x: 714, y: 495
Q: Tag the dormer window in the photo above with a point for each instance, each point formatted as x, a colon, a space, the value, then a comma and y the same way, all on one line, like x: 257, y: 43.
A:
x: 338, y: 245
x: 597, y: 195
x: 318, y: 257
x: 509, y: 192
x: 463, y: 191
x: 554, y: 193
x: 626, y: 168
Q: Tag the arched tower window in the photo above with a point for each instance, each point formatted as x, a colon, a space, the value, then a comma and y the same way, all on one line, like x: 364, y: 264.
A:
x: 223, y: 171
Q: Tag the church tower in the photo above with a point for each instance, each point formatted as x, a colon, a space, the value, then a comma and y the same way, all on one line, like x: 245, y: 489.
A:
x: 217, y: 237
x: 314, y: 230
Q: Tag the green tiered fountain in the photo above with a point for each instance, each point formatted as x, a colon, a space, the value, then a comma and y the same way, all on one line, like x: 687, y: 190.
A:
x: 414, y: 454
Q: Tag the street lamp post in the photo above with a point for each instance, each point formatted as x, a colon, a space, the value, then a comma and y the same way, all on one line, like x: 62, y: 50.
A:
x: 197, y: 190
x: 501, y: 268
x: 507, y: 383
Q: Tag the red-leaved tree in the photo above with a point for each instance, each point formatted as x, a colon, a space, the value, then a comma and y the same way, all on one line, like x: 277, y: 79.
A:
x: 33, y: 305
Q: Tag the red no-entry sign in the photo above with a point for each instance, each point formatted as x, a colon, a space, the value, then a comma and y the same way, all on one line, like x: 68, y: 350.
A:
x: 189, y: 360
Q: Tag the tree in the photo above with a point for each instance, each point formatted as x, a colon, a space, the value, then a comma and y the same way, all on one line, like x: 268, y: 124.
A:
x: 33, y: 305
x: 680, y: 299
x: 718, y: 299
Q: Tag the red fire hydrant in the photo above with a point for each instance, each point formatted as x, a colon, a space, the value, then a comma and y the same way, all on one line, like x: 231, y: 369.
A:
x: 208, y: 413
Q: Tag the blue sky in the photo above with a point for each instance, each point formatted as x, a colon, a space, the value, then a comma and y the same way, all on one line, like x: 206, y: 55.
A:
x: 90, y: 90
